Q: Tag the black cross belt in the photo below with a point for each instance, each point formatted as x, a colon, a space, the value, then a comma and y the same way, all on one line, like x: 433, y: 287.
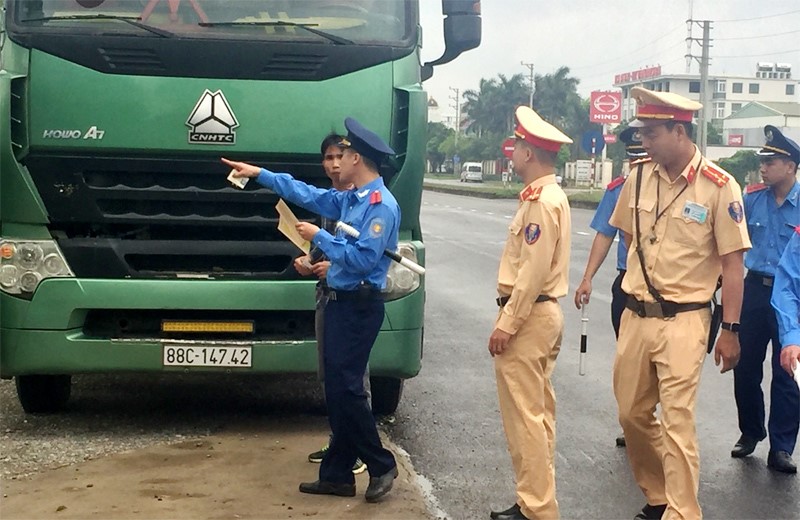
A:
x: 503, y: 300
x: 665, y: 309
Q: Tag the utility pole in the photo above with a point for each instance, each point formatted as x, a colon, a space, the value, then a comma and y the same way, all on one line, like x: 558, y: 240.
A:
x: 689, y: 25
x: 533, y: 85
x: 704, y: 60
x: 457, y: 106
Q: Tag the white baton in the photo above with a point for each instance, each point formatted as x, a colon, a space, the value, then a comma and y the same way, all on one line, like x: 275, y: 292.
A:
x: 405, y: 262
x: 797, y: 375
x: 584, y: 321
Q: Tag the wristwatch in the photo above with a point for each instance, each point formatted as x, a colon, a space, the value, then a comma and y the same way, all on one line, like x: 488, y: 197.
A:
x: 733, y: 327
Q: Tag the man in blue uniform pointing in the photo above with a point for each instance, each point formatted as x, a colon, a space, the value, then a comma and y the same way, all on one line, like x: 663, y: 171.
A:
x: 772, y: 209
x: 355, y: 309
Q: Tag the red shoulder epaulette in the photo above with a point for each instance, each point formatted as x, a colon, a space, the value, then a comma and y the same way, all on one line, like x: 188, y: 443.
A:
x: 530, y: 193
x: 375, y: 197
x: 756, y: 187
x: 619, y: 181
x: 718, y: 177
x: 797, y: 229
x: 641, y: 161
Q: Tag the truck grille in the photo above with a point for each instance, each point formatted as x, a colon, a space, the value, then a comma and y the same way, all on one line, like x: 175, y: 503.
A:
x: 157, y: 218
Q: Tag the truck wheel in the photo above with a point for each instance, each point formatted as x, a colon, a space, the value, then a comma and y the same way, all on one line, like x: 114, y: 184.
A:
x: 386, y: 394
x: 43, y: 393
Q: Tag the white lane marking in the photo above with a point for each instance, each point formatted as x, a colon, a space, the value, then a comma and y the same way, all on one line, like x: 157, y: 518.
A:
x: 489, y: 213
x: 473, y: 210
x: 508, y: 216
x: 582, y: 233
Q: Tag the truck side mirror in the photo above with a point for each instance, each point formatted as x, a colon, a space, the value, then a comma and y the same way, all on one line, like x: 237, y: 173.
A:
x: 462, y: 31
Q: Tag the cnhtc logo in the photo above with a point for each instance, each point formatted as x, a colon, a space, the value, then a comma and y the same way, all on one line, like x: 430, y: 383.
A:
x: 212, y: 120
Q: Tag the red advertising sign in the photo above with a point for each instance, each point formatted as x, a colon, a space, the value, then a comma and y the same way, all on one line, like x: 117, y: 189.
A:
x: 508, y: 147
x: 637, y: 75
x: 610, y: 138
x: 735, y: 139
x: 605, y: 107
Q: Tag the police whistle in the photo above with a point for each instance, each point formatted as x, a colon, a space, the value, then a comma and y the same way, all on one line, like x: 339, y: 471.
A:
x: 405, y: 262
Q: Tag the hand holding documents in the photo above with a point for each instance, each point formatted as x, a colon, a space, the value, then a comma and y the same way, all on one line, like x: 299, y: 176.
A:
x: 286, y: 225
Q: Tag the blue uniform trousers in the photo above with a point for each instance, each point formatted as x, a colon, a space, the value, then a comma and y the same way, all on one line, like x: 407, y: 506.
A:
x: 351, y: 326
x: 759, y: 327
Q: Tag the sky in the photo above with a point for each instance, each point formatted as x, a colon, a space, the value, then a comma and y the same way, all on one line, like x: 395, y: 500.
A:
x: 598, y: 39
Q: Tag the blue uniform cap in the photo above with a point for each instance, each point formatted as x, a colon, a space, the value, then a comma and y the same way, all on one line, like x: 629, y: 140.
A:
x: 778, y: 145
x: 365, y: 142
x: 633, y: 143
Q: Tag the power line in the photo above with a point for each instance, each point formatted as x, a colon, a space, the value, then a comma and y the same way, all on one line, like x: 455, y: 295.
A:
x: 758, y: 17
x: 639, y: 48
x: 759, y: 55
x: 663, y: 51
x: 761, y: 36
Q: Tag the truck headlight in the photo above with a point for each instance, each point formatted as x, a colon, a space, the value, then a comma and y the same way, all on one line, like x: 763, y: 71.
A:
x: 400, y: 280
x: 25, y: 263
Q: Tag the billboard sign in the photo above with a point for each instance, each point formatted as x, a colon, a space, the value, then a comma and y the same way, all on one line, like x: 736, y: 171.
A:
x: 605, y: 107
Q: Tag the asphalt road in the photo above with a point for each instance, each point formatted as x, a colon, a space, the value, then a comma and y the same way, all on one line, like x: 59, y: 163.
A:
x: 449, y: 420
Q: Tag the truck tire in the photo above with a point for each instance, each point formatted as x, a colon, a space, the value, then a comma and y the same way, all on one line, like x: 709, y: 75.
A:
x: 43, y: 393
x: 386, y: 394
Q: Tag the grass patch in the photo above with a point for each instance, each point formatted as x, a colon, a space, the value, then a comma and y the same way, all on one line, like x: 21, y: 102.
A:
x: 587, y: 196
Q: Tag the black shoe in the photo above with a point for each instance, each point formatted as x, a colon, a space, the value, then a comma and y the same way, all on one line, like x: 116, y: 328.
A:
x: 744, y: 447
x: 494, y: 515
x: 621, y: 441
x: 320, y: 487
x: 379, y: 486
x: 781, y: 461
x: 649, y: 512
x: 512, y: 513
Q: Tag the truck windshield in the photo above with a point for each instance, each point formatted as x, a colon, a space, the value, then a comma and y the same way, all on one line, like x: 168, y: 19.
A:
x: 370, y: 22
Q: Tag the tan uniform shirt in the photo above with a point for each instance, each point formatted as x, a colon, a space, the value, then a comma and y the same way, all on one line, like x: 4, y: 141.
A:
x: 535, y: 260
x: 682, y: 239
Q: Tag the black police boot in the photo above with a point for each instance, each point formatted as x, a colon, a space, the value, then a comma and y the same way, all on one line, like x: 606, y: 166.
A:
x: 512, y: 513
x: 649, y: 512
x: 379, y: 486
x: 320, y: 487
x: 781, y: 461
x: 494, y: 515
x: 744, y: 447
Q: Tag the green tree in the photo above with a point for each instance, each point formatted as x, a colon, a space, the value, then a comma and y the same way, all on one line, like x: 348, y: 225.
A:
x: 742, y: 164
x: 437, y: 133
x: 490, y: 108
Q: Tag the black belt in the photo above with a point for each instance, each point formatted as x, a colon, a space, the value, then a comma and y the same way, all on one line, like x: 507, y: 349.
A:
x: 664, y: 309
x: 357, y: 295
x: 503, y: 300
x: 764, y: 279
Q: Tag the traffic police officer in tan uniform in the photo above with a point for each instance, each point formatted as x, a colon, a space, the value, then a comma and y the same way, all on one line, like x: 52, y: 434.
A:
x: 527, y: 334
x: 683, y: 218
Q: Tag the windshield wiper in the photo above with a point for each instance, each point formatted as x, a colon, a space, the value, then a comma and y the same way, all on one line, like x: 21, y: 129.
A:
x: 281, y: 23
x: 132, y: 20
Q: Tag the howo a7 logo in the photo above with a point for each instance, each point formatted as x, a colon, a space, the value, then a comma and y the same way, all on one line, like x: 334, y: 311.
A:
x: 212, y: 120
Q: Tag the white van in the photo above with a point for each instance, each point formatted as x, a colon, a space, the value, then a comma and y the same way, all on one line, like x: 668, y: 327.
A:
x: 472, y: 171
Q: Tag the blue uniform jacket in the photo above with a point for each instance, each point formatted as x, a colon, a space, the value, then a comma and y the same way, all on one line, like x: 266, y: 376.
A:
x: 786, y: 292
x: 603, y: 214
x: 769, y: 226
x: 372, y: 210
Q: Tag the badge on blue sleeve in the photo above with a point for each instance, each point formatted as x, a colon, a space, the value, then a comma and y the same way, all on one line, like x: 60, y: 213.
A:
x: 735, y: 211
x: 376, y: 227
x: 532, y: 233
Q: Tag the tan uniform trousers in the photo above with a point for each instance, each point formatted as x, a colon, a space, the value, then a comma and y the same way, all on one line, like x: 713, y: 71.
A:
x: 528, y: 407
x: 659, y: 361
